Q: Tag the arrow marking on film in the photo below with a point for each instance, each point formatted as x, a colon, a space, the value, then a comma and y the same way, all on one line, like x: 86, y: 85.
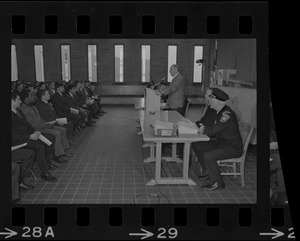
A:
x: 277, y: 233
x: 10, y: 233
x: 145, y: 234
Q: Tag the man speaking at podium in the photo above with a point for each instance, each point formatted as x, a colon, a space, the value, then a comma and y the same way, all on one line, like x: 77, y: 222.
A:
x: 175, y: 91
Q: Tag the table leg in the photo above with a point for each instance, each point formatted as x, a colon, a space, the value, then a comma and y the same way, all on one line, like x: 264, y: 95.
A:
x: 186, y: 155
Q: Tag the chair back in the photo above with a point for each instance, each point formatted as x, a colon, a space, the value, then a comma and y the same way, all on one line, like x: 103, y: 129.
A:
x: 246, y: 132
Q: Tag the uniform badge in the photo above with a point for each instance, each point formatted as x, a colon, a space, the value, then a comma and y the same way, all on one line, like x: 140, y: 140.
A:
x: 225, y: 117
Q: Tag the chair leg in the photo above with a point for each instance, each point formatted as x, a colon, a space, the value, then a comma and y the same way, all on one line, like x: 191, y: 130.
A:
x: 242, y: 167
x: 234, y: 168
x: 32, y: 173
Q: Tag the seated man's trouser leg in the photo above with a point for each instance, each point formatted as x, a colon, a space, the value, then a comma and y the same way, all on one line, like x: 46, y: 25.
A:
x: 40, y: 154
x: 49, y: 149
x: 63, y: 134
x: 200, y: 147
x: 26, y: 156
x: 58, y: 148
x: 211, y: 157
x: 15, y: 174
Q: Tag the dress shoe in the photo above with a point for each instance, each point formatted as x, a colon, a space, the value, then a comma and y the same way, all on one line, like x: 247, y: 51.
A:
x: 214, y: 186
x: 48, y: 177
x: 60, y: 159
x: 52, y: 166
x: 68, y: 155
x: 203, y: 175
x: 96, y: 117
x: 92, y: 122
x: 89, y: 124
x: 25, y: 186
x: 103, y: 112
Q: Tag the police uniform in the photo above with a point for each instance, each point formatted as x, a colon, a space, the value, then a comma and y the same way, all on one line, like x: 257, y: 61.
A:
x: 225, y: 142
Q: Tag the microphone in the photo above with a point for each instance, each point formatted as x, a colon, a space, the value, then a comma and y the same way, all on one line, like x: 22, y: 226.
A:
x: 160, y: 81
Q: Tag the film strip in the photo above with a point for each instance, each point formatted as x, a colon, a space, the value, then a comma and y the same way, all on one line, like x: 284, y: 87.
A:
x: 119, y: 21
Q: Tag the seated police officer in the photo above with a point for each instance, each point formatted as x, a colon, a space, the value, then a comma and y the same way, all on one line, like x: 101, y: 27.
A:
x: 221, y: 125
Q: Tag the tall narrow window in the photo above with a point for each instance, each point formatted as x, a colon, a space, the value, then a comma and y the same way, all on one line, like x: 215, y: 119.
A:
x: 14, y: 64
x: 145, y: 63
x: 39, y: 63
x: 92, y: 62
x: 198, y: 68
x: 119, y: 63
x: 172, y: 59
x: 65, y: 62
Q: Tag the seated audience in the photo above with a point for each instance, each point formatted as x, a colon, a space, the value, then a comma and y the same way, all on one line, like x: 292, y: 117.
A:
x: 62, y: 108
x: 34, y: 119
x: 22, y: 132
x: 70, y: 92
x: 225, y: 142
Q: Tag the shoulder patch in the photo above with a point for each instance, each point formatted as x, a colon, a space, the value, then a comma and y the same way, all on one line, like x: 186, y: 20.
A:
x: 225, y: 116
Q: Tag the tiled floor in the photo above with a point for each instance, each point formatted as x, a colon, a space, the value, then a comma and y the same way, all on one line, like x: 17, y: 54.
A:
x: 108, y: 167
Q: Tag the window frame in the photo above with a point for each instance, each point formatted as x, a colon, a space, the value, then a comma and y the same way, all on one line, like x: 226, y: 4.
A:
x: 119, y: 83
x: 203, y: 64
x: 34, y: 60
x: 142, y: 64
x: 61, y: 62
x: 87, y: 46
x: 168, y: 67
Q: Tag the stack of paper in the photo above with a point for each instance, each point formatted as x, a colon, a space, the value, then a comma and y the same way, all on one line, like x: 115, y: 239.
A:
x: 45, y: 140
x: 62, y: 120
x: 18, y: 146
x: 74, y: 111
x: 158, y: 124
x: 187, y: 128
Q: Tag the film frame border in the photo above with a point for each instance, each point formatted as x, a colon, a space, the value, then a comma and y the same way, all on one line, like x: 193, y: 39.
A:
x: 132, y: 29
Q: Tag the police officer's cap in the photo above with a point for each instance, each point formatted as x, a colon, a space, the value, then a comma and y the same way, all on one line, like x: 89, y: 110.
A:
x: 219, y: 94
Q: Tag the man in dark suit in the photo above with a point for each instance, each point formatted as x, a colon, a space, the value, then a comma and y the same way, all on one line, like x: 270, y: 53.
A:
x: 48, y: 113
x: 70, y: 97
x: 62, y: 107
x: 22, y: 132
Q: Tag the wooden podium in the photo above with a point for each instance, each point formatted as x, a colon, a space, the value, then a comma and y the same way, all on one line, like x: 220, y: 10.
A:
x: 152, y: 100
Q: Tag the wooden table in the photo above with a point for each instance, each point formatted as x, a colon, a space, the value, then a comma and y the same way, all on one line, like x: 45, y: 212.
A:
x: 146, y: 120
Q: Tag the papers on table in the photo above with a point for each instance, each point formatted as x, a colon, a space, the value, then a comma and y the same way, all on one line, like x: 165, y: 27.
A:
x: 62, y: 120
x: 18, y: 146
x: 45, y: 140
x: 187, y: 127
x: 74, y: 111
x: 158, y: 124
x: 164, y: 128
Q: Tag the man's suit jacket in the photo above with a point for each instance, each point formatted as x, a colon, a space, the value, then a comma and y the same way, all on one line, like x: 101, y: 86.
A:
x: 60, y: 105
x: 175, y: 92
x: 46, y: 111
x: 33, y: 117
x: 71, y: 101
x: 21, y: 130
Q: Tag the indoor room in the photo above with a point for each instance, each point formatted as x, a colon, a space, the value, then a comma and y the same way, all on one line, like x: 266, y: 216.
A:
x: 110, y: 104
